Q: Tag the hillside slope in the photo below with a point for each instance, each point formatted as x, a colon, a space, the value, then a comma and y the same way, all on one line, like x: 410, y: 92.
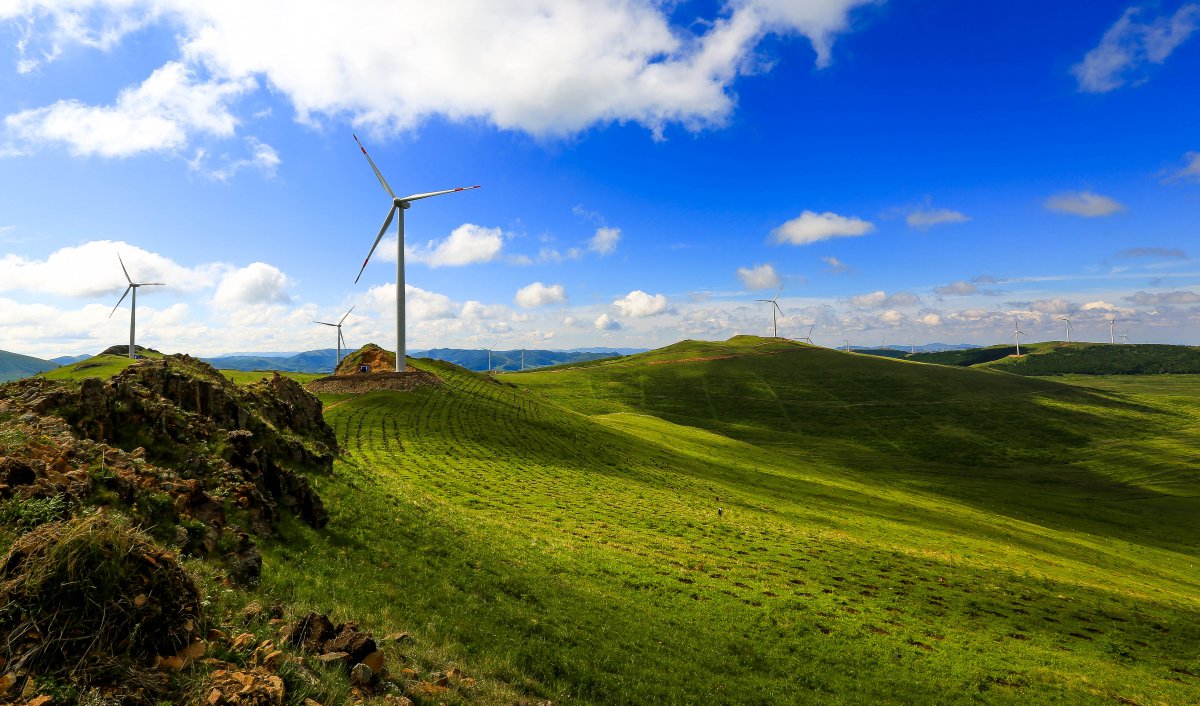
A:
x: 1059, y: 358
x: 762, y: 522
x: 14, y: 366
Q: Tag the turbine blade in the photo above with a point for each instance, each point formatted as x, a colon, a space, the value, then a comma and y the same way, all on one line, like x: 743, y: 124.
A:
x: 341, y: 341
x: 344, y: 317
x: 151, y: 284
x: 417, y: 197
x: 127, y: 277
x: 325, y: 324
x: 377, y: 174
x: 763, y: 300
x: 120, y: 300
x: 777, y: 307
x: 387, y: 222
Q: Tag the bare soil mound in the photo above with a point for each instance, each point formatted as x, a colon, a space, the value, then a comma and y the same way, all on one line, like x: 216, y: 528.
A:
x: 374, y: 359
x: 359, y: 384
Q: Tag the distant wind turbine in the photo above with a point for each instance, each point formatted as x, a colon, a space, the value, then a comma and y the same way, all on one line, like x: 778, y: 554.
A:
x: 1125, y: 337
x: 1112, y: 339
x: 1068, y: 320
x: 774, y: 302
x: 399, y: 205
x: 808, y: 337
x: 340, y: 340
x: 847, y: 342
x: 133, y: 286
x: 1017, y: 333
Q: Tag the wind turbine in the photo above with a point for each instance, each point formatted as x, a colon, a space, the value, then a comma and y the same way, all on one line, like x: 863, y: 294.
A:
x: 1111, y: 336
x: 132, y: 303
x: 847, y: 342
x: 774, y: 302
x: 399, y: 205
x: 808, y: 338
x: 1125, y: 337
x: 1068, y: 320
x: 340, y: 340
x: 1017, y: 333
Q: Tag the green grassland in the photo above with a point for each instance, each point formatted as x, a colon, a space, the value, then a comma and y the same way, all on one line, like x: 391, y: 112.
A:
x: 104, y: 365
x: 1059, y: 358
x: 890, y: 532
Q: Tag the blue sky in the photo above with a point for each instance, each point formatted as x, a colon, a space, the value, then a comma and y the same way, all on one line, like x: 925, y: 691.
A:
x: 907, y: 171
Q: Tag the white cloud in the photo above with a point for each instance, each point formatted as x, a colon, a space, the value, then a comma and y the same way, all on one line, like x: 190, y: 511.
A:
x: 812, y: 227
x: 159, y: 115
x: 758, y: 277
x: 1190, y: 171
x: 542, y: 68
x: 956, y: 289
x: 604, y: 322
x: 254, y: 284
x: 836, y: 266
x: 605, y: 240
x: 1057, y: 305
x: 1164, y: 298
x: 1084, y: 203
x: 263, y: 157
x: 638, y: 304
x: 466, y: 244
x: 535, y: 295
x: 928, y: 218
x: 1130, y: 45
x: 881, y: 299
x: 480, y: 311
x: 92, y: 269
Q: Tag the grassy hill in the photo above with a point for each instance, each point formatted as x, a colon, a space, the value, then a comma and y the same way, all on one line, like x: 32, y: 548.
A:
x: 1059, y: 358
x: 764, y: 522
x: 14, y: 366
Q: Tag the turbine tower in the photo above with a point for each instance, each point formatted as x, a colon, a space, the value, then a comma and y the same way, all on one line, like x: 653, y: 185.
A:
x: 1068, y: 320
x: 847, y: 342
x: 132, y: 303
x: 399, y: 205
x: 1112, y: 338
x: 340, y: 340
x: 774, y: 302
x: 1017, y: 333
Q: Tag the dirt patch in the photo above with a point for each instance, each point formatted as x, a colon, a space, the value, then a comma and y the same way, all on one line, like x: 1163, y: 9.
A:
x: 361, y: 383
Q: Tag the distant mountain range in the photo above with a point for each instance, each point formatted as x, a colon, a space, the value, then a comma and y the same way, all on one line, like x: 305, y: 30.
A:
x: 14, y: 366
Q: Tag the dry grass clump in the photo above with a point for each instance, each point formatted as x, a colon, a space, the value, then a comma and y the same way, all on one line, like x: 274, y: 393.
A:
x: 94, y: 601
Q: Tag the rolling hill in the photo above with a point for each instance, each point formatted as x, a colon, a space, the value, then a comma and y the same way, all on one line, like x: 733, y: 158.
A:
x: 1059, y: 358
x: 322, y: 361
x: 14, y: 366
x: 764, y: 522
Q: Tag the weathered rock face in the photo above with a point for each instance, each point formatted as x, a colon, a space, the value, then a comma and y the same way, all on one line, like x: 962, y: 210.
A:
x: 175, y: 439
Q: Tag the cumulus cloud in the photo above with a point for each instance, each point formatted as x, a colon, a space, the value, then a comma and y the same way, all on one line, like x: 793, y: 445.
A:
x: 1131, y: 45
x: 541, y: 68
x: 92, y: 269
x: 758, y: 277
x: 1164, y: 298
x: 1084, y: 203
x: 604, y: 322
x: 467, y: 244
x: 256, y: 283
x: 605, y: 240
x: 535, y: 295
x: 881, y: 300
x: 928, y: 218
x: 836, y: 266
x: 956, y: 289
x: 1056, y: 305
x: 638, y: 304
x: 812, y: 227
x: 263, y: 158
x: 159, y: 115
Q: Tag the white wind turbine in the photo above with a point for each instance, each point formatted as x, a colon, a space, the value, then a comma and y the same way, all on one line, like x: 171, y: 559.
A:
x: 1068, y: 320
x: 1125, y: 337
x: 847, y: 342
x: 1111, y: 336
x: 133, y: 286
x: 774, y: 302
x: 808, y: 337
x: 340, y: 340
x: 399, y: 205
x: 1017, y: 333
